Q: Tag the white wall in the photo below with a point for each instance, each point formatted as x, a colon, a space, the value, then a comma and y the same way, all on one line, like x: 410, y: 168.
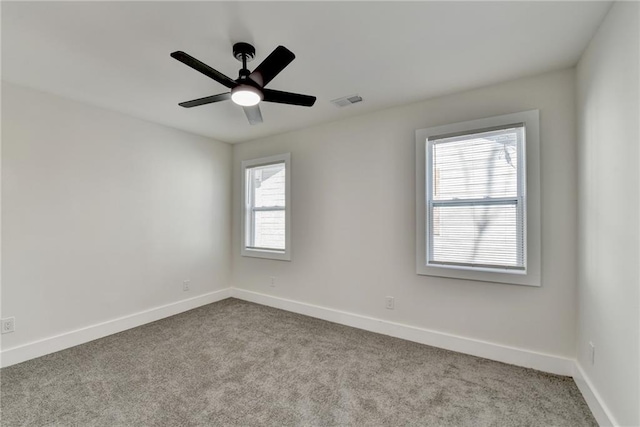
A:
x: 609, y: 139
x: 353, y: 226
x: 104, y: 215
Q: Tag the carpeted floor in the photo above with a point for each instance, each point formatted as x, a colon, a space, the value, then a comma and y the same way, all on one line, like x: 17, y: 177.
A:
x: 234, y: 363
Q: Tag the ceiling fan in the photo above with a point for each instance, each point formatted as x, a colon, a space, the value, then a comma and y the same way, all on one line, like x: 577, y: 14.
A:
x: 248, y: 90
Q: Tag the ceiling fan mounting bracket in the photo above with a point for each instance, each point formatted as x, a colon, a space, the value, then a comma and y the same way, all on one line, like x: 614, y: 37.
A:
x: 244, y: 52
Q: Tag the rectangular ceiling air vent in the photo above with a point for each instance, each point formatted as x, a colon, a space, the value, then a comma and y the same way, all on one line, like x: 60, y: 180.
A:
x: 346, y: 100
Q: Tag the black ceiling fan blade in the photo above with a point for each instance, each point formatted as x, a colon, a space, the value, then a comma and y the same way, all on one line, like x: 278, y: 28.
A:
x: 206, y: 100
x: 280, y: 97
x: 254, y: 115
x: 204, y: 69
x: 272, y: 65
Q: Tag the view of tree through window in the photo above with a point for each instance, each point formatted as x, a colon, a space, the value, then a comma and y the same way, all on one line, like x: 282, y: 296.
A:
x: 475, y: 199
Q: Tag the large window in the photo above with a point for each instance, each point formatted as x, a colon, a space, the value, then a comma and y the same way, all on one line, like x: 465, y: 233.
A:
x: 265, y: 207
x: 474, y: 197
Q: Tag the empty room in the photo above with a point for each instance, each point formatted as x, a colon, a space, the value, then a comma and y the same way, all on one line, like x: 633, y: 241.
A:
x: 320, y: 213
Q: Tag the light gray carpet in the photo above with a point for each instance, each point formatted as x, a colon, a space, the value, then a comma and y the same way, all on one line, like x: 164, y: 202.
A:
x: 234, y: 363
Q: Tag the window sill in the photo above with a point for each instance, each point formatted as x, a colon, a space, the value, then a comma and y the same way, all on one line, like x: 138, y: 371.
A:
x: 267, y: 254
x: 481, y: 275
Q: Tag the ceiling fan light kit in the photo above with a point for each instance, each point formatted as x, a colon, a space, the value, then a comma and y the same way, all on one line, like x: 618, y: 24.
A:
x: 246, y: 95
x: 248, y: 89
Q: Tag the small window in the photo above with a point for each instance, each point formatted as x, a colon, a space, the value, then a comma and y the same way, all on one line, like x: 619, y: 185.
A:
x: 473, y: 219
x: 266, y: 230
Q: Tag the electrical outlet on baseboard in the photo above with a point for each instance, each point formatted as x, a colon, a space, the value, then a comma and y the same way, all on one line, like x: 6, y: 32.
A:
x: 272, y: 282
x: 186, y: 285
x: 592, y: 353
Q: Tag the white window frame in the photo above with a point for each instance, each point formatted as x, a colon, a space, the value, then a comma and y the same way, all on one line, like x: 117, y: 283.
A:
x: 531, y: 275
x: 247, y: 209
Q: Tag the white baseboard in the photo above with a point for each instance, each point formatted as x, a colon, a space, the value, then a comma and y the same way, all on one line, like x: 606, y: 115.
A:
x: 514, y: 356
x: 11, y: 356
x: 600, y: 411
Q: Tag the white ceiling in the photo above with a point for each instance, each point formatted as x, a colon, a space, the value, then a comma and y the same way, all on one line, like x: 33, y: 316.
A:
x: 116, y: 54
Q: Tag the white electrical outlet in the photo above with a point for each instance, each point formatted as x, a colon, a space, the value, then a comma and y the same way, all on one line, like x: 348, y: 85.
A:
x: 389, y: 303
x: 8, y: 325
x: 592, y: 349
x: 272, y: 282
x: 186, y: 285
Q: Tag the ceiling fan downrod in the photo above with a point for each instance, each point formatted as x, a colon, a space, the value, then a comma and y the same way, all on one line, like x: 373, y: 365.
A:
x: 244, y: 52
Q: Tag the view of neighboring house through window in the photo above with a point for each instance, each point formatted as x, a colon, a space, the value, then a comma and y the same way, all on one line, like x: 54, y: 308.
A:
x: 265, y: 207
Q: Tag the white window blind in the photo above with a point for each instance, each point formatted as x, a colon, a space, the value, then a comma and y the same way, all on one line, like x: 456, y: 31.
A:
x: 475, y: 199
x: 265, y: 207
